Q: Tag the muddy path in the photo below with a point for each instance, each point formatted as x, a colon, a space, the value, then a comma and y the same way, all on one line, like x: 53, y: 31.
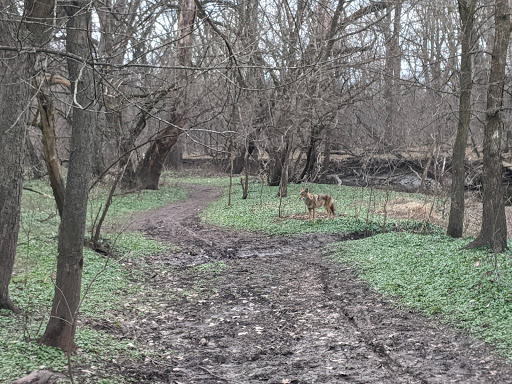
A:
x: 277, y: 310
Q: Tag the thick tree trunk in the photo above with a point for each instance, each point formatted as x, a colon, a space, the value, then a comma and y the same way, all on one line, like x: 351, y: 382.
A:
x: 283, y: 182
x: 239, y: 161
x: 175, y: 158
x: 494, y: 225
x: 149, y: 171
x: 14, y: 95
x: 15, y: 70
x: 456, y: 219
x: 60, y: 331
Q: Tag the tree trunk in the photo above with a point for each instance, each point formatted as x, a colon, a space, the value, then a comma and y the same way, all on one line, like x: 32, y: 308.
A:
x: 149, y: 171
x: 456, y: 219
x: 15, y: 70
x: 283, y: 182
x: 240, y: 160
x: 275, y: 167
x: 494, y: 225
x: 392, y: 74
x: 51, y: 158
x: 60, y: 331
x: 311, y: 154
x: 14, y: 95
x: 245, y: 185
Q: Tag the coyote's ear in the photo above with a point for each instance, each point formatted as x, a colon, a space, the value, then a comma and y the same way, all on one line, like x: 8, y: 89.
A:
x: 306, y: 190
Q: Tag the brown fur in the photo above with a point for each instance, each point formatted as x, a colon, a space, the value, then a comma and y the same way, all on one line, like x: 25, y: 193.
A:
x: 316, y: 201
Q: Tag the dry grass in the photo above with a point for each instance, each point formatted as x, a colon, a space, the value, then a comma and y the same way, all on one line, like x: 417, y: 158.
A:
x: 429, y: 210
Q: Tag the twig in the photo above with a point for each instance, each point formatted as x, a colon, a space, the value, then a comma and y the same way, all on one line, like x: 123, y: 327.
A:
x: 213, y: 374
x: 39, y: 193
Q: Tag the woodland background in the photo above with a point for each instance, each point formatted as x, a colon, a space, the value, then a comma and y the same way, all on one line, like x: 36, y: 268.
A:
x: 287, y: 90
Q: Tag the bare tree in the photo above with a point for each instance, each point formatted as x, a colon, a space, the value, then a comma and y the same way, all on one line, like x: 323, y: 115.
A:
x: 16, y: 68
x: 60, y: 331
x: 494, y: 225
x: 392, y: 68
x: 150, y: 169
x: 456, y: 220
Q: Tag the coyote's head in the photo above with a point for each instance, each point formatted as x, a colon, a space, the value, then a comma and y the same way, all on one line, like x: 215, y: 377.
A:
x: 304, y: 193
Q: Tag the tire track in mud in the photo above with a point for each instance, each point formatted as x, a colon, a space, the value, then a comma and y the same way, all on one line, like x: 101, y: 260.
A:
x: 283, y: 312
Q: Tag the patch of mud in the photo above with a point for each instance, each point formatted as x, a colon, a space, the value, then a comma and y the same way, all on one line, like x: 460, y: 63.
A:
x: 244, y: 307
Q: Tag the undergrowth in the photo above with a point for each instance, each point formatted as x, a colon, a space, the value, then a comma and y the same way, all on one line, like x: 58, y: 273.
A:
x: 358, y: 210
x: 471, y: 289
x: 105, y: 283
x: 409, y: 259
x: 427, y: 272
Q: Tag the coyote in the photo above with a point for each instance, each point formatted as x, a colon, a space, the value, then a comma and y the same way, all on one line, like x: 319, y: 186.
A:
x: 316, y: 201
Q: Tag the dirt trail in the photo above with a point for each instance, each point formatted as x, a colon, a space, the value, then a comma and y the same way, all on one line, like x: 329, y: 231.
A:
x: 281, y: 312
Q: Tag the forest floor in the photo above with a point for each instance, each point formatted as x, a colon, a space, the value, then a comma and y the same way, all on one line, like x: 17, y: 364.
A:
x: 240, y: 307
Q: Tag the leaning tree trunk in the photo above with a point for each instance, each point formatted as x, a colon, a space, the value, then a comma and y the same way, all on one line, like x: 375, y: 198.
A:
x: 15, y: 72
x: 494, y: 225
x: 60, y: 331
x: 149, y: 171
x: 456, y: 219
x: 49, y: 138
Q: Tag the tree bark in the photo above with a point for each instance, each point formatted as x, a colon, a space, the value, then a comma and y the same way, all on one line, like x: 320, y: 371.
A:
x: 456, y: 219
x: 311, y: 154
x: 60, y: 331
x: 15, y: 70
x: 51, y: 157
x: 494, y: 225
x: 276, y: 161
x: 14, y: 95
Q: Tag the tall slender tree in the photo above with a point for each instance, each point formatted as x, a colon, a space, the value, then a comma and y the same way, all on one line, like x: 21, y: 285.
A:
x: 60, y: 331
x: 494, y: 225
x: 16, y: 69
x: 456, y: 219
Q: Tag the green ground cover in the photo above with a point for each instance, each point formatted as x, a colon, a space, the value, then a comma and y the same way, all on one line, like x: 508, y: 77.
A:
x: 358, y: 210
x: 471, y: 289
x: 411, y: 261
x: 105, y: 281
